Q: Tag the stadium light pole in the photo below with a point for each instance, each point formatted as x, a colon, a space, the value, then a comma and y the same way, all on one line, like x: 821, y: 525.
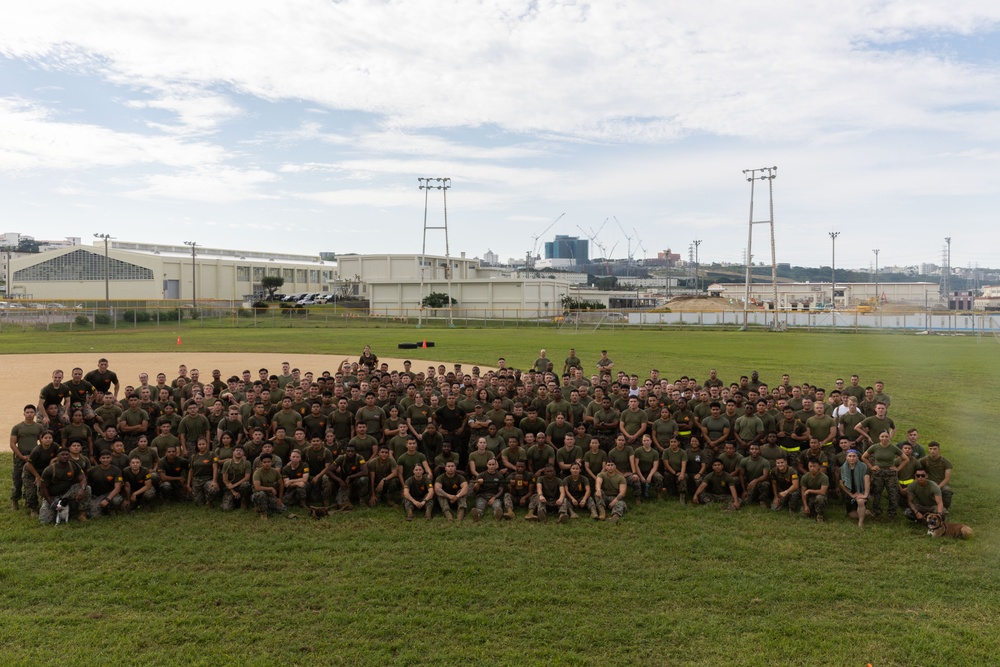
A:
x: 194, y: 283
x: 833, y: 270
x: 107, y: 262
x: 697, y: 266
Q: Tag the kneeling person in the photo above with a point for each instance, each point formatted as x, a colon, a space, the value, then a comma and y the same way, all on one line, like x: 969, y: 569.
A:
x: 577, y: 494
x: 549, y: 495
x: 489, y: 490
x: 268, y: 487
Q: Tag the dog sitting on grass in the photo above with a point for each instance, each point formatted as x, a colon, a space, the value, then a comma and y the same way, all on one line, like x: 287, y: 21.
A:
x: 936, y: 527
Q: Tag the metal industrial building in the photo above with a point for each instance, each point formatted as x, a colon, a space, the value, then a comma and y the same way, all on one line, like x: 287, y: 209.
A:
x: 808, y: 296
x: 142, y: 271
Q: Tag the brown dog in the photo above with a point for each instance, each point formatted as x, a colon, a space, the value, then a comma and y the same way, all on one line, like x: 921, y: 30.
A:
x: 936, y: 527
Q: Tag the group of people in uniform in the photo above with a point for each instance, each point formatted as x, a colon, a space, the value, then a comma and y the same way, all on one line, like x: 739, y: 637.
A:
x: 546, y: 441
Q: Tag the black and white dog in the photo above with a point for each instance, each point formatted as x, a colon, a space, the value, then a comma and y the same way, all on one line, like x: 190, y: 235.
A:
x: 61, y: 509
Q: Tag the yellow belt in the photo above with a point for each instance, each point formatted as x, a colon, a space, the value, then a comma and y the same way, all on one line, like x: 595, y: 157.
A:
x: 791, y: 449
x: 905, y: 482
x: 683, y: 432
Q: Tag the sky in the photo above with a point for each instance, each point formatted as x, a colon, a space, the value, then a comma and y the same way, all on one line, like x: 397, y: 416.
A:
x: 303, y: 126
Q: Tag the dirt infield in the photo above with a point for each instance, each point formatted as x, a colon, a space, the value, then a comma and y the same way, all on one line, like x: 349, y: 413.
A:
x: 34, y: 371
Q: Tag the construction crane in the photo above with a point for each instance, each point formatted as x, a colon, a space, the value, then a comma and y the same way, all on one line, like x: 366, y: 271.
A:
x: 530, y: 264
x: 592, y: 235
x: 640, y: 246
x: 630, y: 253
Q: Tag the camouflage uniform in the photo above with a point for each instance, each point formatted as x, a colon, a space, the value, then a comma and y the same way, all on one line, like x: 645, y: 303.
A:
x: 617, y: 510
x: 266, y: 503
x: 482, y: 502
x: 48, y: 515
x: 357, y: 487
x: 709, y: 498
x: 203, y: 491
x: 295, y: 495
x: 94, y: 506
x: 793, y: 501
x: 817, y: 505
x: 567, y: 506
x: 18, y: 478
x: 760, y: 493
x: 885, y: 479
x: 320, y: 490
x: 231, y: 502
x: 30, y: 490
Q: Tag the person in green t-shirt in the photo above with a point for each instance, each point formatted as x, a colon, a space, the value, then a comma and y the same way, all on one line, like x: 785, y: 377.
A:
x: 647, y: 467
x: 675, y: 469
x: 814, y: 486
x: 418, y: 493
x: 880, y: 459
x: 24, y: 438
x: 717, y: 486
x: 923, y: 498
x: 610, y: 488
x: 489, y: 489
x: 268, y: 488
x: 234, y: 480
x: 451, y: 489
x: 577, y: 494
x: 548, y: 495
x: 755, y: 472
x: 938, y: 470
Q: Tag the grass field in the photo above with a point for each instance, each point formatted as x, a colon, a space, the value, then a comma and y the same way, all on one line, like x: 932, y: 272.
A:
x: 670, y: 585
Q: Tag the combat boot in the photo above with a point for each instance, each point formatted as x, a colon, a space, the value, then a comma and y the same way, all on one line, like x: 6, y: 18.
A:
x: 530, y: 516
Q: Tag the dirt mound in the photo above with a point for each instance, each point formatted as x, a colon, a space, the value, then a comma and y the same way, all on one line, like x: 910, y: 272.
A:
x: 702, y: 303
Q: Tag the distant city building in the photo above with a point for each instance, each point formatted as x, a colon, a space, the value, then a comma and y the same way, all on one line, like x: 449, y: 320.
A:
x: 668, y: 258
x: 568, y: 247
x: 490, y: 258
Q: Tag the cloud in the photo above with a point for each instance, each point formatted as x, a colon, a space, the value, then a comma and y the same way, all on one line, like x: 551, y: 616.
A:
x: 32, y: 137
x: 219, y: 185
x: 628, y: 72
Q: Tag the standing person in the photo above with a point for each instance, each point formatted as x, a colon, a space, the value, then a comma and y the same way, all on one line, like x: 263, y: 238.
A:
x: 604, y: 364
x: 880, y: 458
x: 24, y: 437
x: 855, y: 486
x: 193, y: 425
x: 102, y: 378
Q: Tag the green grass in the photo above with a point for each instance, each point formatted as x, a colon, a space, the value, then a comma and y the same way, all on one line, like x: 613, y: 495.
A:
x: 670, y: 585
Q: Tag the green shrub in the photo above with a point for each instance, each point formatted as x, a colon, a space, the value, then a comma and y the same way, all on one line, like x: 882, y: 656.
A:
x: 102, y: 318
x: 260, y: 305
x: 81, y: 320
x: 136, y: 316
x: 194, y: 313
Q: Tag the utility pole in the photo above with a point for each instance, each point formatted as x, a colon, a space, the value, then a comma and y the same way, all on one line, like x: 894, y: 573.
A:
x: 107, y: 264
x: 833, y: 278
x: 442, y: 184
x: 194, y: 284
x: 697, y: 266
x: 878, y: 297
x: 765, y: 174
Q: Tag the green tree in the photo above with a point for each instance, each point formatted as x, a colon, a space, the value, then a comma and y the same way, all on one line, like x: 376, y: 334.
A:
x: 437, y: 300
x: 272, y: 284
